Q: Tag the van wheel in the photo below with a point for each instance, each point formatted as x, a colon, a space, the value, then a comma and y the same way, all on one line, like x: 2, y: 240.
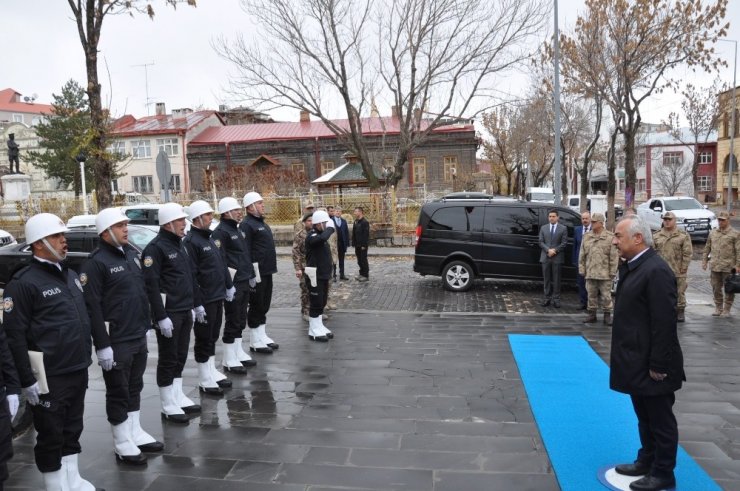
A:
x: 458, y: 276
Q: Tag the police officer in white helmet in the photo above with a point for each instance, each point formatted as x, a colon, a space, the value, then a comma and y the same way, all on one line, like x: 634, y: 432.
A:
x: 45, y: 313
x: 318, y: 257
x: 170, y: 283
x: 115, y: 294
x: 261, y: 248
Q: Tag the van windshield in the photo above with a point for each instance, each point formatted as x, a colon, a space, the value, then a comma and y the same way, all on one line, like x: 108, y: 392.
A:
x: 683, y: 204
x: 543, y: 196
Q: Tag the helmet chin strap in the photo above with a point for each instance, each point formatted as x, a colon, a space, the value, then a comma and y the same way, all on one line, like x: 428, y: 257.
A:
x: 113, y: 237
x: 52, y: 250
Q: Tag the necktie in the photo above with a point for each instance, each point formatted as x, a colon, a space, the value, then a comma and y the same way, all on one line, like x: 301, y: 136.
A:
x: 552, y: 231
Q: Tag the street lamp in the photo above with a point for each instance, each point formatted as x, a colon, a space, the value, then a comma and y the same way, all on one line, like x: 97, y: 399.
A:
x: 81, y: 160
x: 732, y: 127
x: 556, y: 102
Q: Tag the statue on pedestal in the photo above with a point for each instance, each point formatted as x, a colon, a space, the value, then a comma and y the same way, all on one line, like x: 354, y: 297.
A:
x: 13, y: 152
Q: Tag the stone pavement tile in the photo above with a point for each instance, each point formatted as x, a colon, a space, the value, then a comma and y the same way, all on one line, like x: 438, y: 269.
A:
x: 328, y: 455
x: 335, y: 438
x: 253, y: 471
x: 469, y: 428
x: 169, y: 483
x: 347, y: 477
x: 353, y: 424
x: 502, y: 444
x: 515, y: 464
x: 239, y: 451
x: 458, y: 481
x: 704, y: 450
x: 417, y: 459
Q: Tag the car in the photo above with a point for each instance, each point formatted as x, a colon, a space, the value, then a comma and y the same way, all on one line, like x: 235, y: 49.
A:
x: 595, y: 203
x: 80, y: 243
x: 6, y: 238
x: 147, y: 215
x: 460, y: 240
x: 691, y: 215
x: 81, y: 221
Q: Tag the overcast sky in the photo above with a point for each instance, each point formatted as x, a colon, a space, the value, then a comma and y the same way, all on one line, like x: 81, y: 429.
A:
x: 42, y: 51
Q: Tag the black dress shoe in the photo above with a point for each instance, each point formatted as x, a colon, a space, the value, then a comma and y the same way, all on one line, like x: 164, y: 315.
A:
x: 265, y: 351
x: 545, y: 303
x: 635, y: 469
x: 653, y: 483
x: 224, y: 383
x: 152, y: 447
x: 320, y: 339
x: 556, y: 304
x: 273, y: 346
x: 249, y: 363
x: 132, y: 459
x: 195, y: 408
x: 176, y: 418
x: 343, y: 278
x: 211, y: 391
x: 240, y: 370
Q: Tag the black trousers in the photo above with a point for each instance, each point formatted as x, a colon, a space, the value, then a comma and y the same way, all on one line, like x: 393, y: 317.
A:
x: 123, y: 383
x: 260, y: 298
x: 317, y: 297
x: 58, y: 419
x: 236, y: 314
x: 658, y: 432
x: 362, y: 263
x: 207, y: 334
x: 340, y: 260
x: 6, y: 440
x: 582, y: 294
x: 551, y: 274
x: 173, y: 352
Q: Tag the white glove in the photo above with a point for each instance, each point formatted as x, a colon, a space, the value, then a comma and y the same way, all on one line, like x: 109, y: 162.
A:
x: 32, y: 393
x: 330, y: 223
x: 230, y: 294
x: 13, y: 404
x: 105, y: 358
x: 200, y: 314
x: 165, y: 327
x: 252, y: 282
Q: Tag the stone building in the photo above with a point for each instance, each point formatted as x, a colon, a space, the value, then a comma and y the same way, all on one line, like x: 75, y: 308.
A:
x: 725, y: 127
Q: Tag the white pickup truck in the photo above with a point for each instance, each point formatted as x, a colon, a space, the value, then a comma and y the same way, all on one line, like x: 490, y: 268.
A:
x: 691, y: 215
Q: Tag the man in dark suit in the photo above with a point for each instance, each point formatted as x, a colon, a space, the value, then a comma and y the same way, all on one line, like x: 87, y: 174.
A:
x: 646, y: 359
x: 578, y: 234
x: 553, y: 239
x: 342, y: 240
x: 361, y: 240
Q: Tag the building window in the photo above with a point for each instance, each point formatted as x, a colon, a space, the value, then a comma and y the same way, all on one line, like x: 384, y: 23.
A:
x: 298, y: 167
x: 35, y: 120
x: 141, y: 149
x: 326, y: 167
x: 705, y: 183
x: 641, y: 185
x: 705, y: 158
x: 673, y: 158
x: 641, y: 158
x: 114, y: 185
x: 17, y: 118
x: 169, y: 145
x: 117, y: 148
x: 420, y: 169
x: 175, y: 183
x: 142, y: 184
x: 450, y: 167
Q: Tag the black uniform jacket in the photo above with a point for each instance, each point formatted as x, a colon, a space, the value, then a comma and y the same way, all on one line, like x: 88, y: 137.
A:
x: 168, y: 270
x: 209, y: 262
x: 361, y: 233
x: 644, y: 335
x: 8, y: 374
x: 115, y: 293
x: 45, y: 311
x: 260, y: 243
x: 318, y: 252
x: 228, y: 237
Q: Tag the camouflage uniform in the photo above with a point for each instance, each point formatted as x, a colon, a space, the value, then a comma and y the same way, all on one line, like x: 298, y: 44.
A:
x: 299, y: 264
x: 724, y: 246
x: 675, y: 248
x: 598, y: 263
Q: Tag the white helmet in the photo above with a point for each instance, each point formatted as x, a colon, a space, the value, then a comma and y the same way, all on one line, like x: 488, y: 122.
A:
x: 43, y: 225
x: 109, y: 217
x: 251, y: 198
x: 198, y: 208
x: 170, y: 212
x: 227, y: 204
x: 320, y: 216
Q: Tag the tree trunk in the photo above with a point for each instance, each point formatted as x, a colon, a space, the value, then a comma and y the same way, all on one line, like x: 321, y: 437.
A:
x: 611, y: 183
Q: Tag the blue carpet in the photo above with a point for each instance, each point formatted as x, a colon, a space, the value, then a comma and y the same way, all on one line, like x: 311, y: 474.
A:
x: 585, y: 426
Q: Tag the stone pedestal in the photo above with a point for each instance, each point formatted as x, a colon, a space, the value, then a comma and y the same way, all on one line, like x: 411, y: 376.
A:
x: 16, y: 187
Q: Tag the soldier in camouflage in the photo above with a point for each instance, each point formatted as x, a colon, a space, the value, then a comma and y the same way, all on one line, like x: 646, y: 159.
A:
x: 307, y: 208
x: 598, y: 263
x: 724, y: 246
x: 674, y: 246
x: 299, y: 260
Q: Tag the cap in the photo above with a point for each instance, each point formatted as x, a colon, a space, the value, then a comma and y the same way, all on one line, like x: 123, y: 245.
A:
x: 598, y: 217
x: 723, y: 215
x: 668, y: 214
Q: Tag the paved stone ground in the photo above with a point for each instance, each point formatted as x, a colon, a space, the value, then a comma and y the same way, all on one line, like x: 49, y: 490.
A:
x: 418, y: 391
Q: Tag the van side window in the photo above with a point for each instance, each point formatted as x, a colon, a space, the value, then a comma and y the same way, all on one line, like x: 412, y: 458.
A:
x: 570, y: 221
x: 574, y: 201
x: 457, y: 218
x: 514, y: 220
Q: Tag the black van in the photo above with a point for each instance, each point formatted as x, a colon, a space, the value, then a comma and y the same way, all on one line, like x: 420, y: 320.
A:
x: 463, y: 239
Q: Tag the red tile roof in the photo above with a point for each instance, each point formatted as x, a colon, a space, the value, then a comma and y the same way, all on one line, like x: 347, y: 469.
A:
x: 301, y: 131
x: 158, y: 125
x: 11, y: 101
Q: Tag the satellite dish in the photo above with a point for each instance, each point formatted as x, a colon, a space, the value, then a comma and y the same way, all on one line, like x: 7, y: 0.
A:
x: 26, y: 98
x: 34, y: 96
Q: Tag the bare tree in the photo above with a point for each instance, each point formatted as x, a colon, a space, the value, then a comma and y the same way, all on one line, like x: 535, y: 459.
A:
x: 434, y: 59
x: 671, y: 174
x: 500, y: 148
x: 89, y: 16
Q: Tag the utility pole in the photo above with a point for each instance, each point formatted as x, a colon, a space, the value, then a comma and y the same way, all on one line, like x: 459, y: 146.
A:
x: 146, y: 83
x: 556, y: 103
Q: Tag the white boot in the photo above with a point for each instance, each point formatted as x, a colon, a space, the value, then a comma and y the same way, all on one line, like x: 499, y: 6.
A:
x: 218, y: 377
x: 314, y: 330
x: 124, y: 446
x: 256, y: 343
x: 324, y: 329
x: 181, y: 399
x: 242, y: 355
x: 74, y: 480
x: 267, y: 340
x: 206, y: 384
x: 56, y: 481
x: 171, y: 411
x: 142, y: 439
x: 231, y: 361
